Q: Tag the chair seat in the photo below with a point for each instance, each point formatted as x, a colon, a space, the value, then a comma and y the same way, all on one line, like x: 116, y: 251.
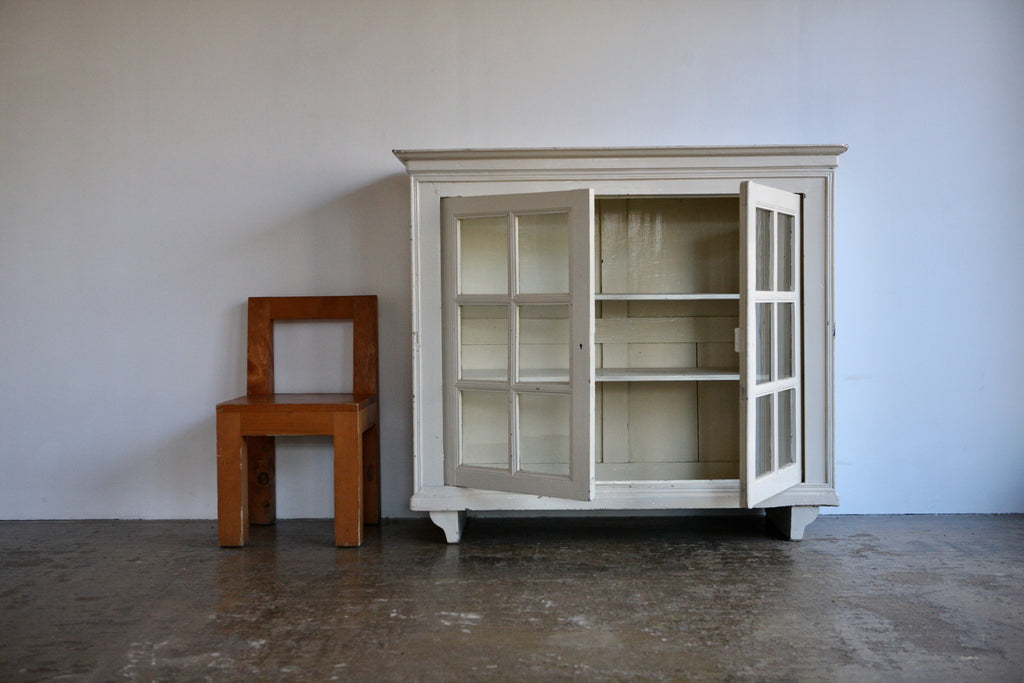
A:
x: 306, y: 401
x: 298, y: 414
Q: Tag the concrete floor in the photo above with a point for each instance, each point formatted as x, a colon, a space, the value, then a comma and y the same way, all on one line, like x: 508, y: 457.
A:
x: 860, y: 599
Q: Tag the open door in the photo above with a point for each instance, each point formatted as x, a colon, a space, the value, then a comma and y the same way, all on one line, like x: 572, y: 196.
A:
x: 518, y: 376
x: 770, y: 310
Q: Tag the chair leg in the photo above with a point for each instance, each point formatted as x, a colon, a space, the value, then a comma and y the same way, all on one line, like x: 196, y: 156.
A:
x: 371, y: 475
x: 348, y: 479
x: 262, y: 473
x: 232, y: 482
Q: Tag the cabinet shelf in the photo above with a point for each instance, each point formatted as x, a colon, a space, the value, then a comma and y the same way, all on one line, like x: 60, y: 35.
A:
x: 667, y: 297
x: 666, y: 374
x: 541, y: 376
x: 614, y: 375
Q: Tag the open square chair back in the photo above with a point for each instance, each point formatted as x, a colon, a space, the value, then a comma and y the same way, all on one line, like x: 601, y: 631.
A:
x: 246, y: 426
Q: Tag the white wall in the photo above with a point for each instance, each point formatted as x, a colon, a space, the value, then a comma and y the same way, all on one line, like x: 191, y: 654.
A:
x: 162, y: 161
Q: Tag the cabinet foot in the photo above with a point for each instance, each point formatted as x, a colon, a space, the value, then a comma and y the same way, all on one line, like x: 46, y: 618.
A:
x: 451, y: 523
x: 791, y: 521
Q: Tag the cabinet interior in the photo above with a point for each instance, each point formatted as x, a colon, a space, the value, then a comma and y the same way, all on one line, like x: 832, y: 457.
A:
x: 666, y: 308
x: 666, y: 311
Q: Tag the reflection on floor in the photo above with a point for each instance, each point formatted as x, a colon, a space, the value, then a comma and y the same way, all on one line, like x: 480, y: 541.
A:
x: 861, y: 598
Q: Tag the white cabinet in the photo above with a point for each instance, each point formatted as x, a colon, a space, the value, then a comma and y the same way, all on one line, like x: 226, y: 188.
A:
x: 623, y: 329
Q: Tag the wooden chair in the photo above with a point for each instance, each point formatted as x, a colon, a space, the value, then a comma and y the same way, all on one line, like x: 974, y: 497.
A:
x: 246, y: 426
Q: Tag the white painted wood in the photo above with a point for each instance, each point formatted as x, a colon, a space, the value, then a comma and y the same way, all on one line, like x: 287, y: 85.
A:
x: 668, y: 330
x: 678, y: 424
x: 667, y: 471
x: 614, y: 423
x: 759, y: 486
x: 579, y: 159
x: 665, y: 375
x: 614, y: 174
x: 818, y: 333
x: 667, y: 297
x: 718, y: 355
x: 663, y: 422
x: 669, y: 245
x: 661, y: 355
x: 617, y: 495
x: 544, y: 459
x: 718, y: 417
x: 451, y: 522
x: 611, y: 223
x: 791, y: 521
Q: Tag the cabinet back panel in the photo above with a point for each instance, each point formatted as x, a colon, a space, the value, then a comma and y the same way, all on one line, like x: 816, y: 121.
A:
x: 668, y: 334
x: 661, y: 245
x: 667, y: 430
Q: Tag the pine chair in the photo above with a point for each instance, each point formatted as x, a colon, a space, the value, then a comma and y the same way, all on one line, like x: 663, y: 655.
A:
x: 246, y: 426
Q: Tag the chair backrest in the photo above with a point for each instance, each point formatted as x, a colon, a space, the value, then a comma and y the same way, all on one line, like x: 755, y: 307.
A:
x: 264, y: 310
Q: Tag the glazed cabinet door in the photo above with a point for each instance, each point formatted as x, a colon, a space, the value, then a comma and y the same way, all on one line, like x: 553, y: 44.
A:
x: 770, y: 313
x: 518, y: 333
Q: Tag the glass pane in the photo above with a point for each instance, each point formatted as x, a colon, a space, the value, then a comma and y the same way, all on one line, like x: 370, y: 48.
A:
x: 544, y: 253
x: 545, y: 423
x: 484, y: 339
x: 785, y: 252
x: 785, y: 341
x: 544, y: 343
x: 763, y: 253
x: 763, y: 342
x: 787, y: 427
x: 763, y: 435
x: 483, y: 255
x: 485, y: 429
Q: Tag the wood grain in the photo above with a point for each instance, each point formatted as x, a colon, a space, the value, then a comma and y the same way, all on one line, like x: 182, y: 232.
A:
x: 232, y: 502
x: 348, y: 479
x: 247, y: 425
x: 261, y: 452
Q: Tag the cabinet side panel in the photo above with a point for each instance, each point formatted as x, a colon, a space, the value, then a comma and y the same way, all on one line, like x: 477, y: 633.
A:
x: 817, y: 332
x: 428, y: 413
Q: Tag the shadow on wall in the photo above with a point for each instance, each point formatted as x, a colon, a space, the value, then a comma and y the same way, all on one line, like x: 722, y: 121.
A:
x: 357, y: 243
x: 371, y: 258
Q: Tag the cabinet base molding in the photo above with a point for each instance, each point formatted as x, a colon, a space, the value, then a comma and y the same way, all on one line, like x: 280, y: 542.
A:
x: 448, y: 505
x: 451, y: 523
x: 681, y: 495
x: 791, y: 521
